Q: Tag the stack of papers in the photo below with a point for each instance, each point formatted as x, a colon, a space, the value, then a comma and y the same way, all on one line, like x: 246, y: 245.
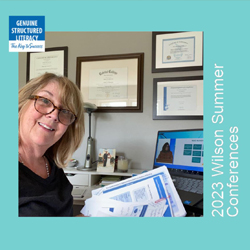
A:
x: 107, y: 180
x: 151, y: 194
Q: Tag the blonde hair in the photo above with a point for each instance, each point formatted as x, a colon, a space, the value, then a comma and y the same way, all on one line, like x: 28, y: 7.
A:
x: 71, y: 98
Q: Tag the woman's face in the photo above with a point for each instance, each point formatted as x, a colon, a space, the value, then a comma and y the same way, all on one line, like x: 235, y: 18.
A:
x: 42, y: 130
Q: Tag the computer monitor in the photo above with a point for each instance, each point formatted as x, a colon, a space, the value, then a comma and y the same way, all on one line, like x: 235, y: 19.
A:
x: 180, y: 151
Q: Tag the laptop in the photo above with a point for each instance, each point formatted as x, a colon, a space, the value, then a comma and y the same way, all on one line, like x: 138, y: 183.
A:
x: 181, y: 151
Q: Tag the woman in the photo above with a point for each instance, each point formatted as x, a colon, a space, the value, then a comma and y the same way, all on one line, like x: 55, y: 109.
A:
x: 108, y: 160
x: 165, y: 155
x: 51, y: 127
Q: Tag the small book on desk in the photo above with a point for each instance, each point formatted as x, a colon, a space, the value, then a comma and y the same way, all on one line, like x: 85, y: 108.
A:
x: 78, y: 192
x: 107, y: 180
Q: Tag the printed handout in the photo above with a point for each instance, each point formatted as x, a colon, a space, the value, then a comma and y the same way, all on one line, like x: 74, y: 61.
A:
x: 151, y: 194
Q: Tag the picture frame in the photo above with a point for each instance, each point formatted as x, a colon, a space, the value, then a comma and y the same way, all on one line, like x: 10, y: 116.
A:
x: 114, y: 83
x: 53, y: 60
x: 177, y: 51
x: 106, y: 160
x: 176, y: 98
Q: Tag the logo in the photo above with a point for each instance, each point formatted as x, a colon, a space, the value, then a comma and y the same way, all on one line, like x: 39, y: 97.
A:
x: 26, y: 34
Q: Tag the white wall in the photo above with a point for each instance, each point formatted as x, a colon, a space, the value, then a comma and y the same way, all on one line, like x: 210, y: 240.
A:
x: 132, y: 134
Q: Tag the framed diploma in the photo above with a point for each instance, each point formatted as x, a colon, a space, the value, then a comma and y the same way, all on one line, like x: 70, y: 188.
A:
x: 178, y: 98
x: 53, y: 60
x: 177, y: 51
x: 114, y: 83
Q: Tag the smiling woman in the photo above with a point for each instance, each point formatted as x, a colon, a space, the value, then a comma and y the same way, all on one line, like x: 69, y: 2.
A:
x: 51, y: 115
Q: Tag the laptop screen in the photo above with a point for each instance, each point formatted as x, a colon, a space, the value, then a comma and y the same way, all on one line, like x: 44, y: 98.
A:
x: 180, y: 150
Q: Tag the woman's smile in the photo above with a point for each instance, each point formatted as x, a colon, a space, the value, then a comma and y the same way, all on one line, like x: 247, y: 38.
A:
x: 46, y: 126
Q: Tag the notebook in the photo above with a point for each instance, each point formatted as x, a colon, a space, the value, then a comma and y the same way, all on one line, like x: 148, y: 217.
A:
x: 181, y: 151
x: 78, y: 192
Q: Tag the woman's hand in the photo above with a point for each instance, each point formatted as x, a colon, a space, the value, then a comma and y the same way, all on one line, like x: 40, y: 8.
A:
x: 81, y: 215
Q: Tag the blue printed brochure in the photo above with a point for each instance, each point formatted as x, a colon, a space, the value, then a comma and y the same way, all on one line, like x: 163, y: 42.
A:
x: 151, y: 194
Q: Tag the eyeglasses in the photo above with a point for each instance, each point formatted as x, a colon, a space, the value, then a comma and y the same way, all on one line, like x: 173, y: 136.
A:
x: 45, y: 106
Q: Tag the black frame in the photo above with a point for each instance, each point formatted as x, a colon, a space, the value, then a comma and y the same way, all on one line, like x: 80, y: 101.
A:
x: 171, y: 117
x: 65, y: 49
x: 140, y: 73
x: 161, y: 70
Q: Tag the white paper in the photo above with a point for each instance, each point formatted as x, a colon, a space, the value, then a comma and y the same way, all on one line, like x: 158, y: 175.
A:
x: 180, y: 98
x: 108, y: 84
x: 98, y: 206
x: 50, y: 61
x: 151, y: 194
x: 178, y: 50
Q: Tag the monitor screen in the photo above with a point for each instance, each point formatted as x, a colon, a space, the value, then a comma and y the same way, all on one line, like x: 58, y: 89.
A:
x: 180, y: 149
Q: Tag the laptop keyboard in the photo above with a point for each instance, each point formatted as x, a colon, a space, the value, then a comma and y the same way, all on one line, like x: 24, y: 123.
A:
x: 189, y: 184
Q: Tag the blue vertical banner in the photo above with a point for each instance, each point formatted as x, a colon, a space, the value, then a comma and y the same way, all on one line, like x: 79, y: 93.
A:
x: 26, y: 33
x: 165, y: 98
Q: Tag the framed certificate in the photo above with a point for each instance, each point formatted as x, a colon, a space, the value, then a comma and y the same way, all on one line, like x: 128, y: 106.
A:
x: 114, y: 83
x: 177, y: 51
x: 178, y: 98
x: 53, y: 60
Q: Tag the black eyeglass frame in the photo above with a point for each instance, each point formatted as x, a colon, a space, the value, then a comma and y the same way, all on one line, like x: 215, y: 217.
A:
x: 35, y: 97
